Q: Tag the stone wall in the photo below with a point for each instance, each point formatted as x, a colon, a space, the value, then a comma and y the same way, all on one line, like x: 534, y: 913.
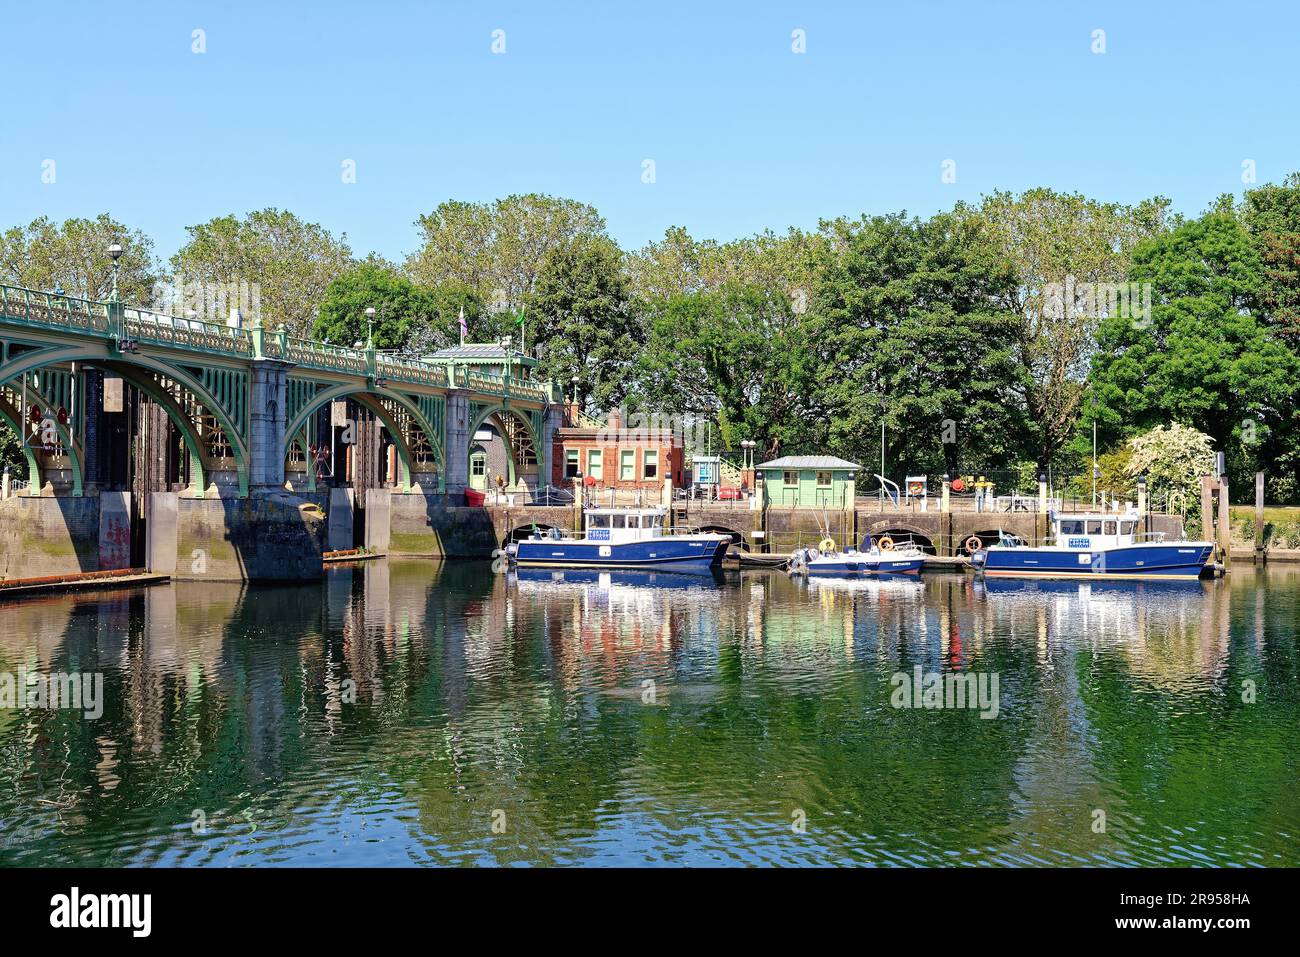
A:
x: 269, y: 536
x: 48, y: 536
x: 423, y: 524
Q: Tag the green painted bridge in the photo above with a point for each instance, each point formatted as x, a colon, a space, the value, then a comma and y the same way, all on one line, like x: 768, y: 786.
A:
x: 245, y: 400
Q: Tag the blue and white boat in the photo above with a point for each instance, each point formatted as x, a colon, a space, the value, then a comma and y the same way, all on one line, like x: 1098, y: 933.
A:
x: 873, y: 557
x: 1096, y: 545
x: 621, y: 538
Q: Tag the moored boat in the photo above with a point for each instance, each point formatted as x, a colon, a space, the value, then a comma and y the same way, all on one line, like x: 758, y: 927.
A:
x: 1096, y: 545
x: 882, y: 557
x: 621, y: 538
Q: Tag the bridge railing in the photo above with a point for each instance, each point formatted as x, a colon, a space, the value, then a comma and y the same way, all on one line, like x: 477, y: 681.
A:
x: 47, y: 308
x: 189, y: 333
x: 74, y: 314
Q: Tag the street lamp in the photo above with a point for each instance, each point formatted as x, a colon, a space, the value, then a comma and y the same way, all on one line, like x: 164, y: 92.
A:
x: 114, y: 253
x: 574, y: 384
x: 370, y: 326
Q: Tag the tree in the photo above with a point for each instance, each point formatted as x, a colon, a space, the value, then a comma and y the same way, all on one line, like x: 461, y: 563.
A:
x: 290, y: 262
x: 408, y: 317
x: 737, y: 355
x: 1173, y: 460
x: 1203, y: 359
x: 74, y: 256
x: 911, y: 325
x: 1057, y: 242
x: 498, y: 249
x: 582, y: 319
x: 1271, y: 214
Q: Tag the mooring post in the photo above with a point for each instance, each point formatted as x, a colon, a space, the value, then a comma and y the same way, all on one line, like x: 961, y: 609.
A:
x: 1260, y: 555
x: 1225, y: 523
x: 1207, y: 508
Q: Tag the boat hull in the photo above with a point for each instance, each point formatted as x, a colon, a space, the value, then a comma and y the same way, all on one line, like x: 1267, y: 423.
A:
x: 1173, y: 561
x: 857, y: 566
x: 688, y: 552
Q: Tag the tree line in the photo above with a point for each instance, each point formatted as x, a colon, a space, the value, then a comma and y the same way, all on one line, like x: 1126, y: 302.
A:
x: 994, y: 336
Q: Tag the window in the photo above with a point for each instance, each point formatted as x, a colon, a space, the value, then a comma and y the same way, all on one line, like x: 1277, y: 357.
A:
x: 627, y: 465
x: 596, y: 520
x: 1072, y: 528
x: 634, y: 521
x: 1094, y: 528
x: 1110, y: 528
x: 791, y: 478
x: 593, y: 464
x: 823, y: 479
x: 571, y: 463
x: 650, y: 463
x: 478, y: 466
x: 620, y: 521
x: 1126, y: 528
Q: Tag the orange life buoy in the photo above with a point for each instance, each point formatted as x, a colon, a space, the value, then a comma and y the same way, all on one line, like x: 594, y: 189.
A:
x: 973, y: 545
x: 958, y: 485
x: 886, y: 543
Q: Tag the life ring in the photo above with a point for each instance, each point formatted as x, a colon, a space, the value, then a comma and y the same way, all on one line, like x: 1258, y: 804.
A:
x: 826, y: 545
x: 958, y: 485
x: 973, y: 545
x: 886, y: 543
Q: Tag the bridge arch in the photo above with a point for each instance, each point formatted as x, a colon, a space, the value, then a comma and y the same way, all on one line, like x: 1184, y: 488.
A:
x: 509, y: 419
x: 372, y: 398
x: 737, y: 537
x: 132, y: 368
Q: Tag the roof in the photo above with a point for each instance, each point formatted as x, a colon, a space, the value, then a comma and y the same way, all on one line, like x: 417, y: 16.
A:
x: 810, y: 462
x: 479, y: 352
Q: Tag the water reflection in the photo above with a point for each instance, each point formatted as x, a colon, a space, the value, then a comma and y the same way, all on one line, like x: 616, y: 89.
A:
x: 395, y: 712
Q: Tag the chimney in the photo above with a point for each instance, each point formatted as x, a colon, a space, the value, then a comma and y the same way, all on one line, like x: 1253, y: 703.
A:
x: 614, y: 421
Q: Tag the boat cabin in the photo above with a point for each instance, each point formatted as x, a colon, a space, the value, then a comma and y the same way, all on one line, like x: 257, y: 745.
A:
x: 616, y: 525
x: 1095, y: 530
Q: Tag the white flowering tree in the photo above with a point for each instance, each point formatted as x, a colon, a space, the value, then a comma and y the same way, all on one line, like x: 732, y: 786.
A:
x: 1173, y: 459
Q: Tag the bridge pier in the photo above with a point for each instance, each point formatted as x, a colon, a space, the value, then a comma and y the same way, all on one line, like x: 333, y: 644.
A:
x: 456, y: 450
x: 267, y: 422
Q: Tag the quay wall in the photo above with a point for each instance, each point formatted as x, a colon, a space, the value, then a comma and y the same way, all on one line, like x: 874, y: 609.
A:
x: 49, y: 536
x: 424, y: 524
x: 269, y: 536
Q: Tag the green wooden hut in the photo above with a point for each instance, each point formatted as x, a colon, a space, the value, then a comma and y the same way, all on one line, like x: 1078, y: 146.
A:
x: 808, y: 481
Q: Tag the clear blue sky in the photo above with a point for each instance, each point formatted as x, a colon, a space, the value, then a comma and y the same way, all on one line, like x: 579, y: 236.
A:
x: 745, y: 134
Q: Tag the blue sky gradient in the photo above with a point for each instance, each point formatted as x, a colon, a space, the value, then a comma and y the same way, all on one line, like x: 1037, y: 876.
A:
x: 745, y: 134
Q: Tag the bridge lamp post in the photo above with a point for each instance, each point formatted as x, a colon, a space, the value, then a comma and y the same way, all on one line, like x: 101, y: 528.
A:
x: 370, y: 326
x: 114, y: 253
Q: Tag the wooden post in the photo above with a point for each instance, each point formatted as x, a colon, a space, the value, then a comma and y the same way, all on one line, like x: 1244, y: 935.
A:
x: 1207, y: 508
x: 1225, y: 523
x: 1260, y: 555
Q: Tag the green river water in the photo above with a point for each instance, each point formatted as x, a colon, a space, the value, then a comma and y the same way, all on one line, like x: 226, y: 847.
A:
x: 412, y: 712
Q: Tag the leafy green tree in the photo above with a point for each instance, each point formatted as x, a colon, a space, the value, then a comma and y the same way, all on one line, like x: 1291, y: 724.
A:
x: 583, y: 322
x: 1054, y: 242
x: 73, y: 255
x: 292, y: 262
x: 408, y: 317
x: 1271, y: 214
x: 499, y: 249
x: 1203, y: 359
x: 738, y: 356
x: 911, y: 325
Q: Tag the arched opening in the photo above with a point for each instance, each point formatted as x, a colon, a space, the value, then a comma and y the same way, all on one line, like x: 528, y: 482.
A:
x: 508, y: 439
x: 900, y: 534
x: 344, y: 438
x: 737, y: 538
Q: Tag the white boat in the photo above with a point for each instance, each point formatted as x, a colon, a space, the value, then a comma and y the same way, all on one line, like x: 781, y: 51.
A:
x: 622, y: 538
x: 873, y: 557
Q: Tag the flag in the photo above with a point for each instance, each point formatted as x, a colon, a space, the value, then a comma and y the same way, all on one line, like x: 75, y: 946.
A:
x: 520, y: 320
x: 463, y: 328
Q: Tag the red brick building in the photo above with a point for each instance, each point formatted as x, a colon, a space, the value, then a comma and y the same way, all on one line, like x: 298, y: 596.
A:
x: 616, y: 456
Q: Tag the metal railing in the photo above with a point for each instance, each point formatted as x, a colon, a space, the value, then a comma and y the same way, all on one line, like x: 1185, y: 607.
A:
x: 75, y: 314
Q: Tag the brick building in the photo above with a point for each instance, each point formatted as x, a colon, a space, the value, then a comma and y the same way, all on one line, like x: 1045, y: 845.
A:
x: 616, y: 456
